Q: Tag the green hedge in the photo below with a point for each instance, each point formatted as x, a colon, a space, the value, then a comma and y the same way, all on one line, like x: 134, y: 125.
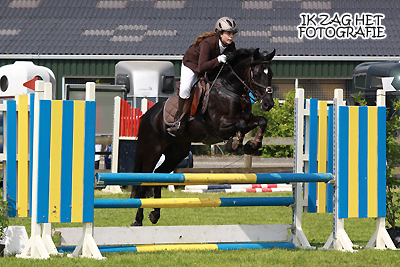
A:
x: 280, y: 124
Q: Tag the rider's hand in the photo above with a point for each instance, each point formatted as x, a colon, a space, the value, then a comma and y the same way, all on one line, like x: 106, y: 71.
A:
x: 222, y: 58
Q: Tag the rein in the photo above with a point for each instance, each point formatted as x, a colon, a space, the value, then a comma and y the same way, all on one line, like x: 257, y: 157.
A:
x: 268, y: 89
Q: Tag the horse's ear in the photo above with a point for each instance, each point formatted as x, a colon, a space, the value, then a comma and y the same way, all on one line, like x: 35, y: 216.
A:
x: 270, y: 56
x: 256, y: 54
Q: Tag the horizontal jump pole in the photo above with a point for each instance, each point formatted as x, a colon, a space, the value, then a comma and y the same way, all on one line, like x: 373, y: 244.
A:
x: 237, y: 186
x: 236, y: 170
x: 192, y: 202
x: 238, y: 190
x: 151, y: 179
x: 183, y: 234
x: 154, y: 248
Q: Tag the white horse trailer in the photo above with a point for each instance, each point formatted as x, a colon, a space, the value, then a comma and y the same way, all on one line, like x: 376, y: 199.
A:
x: 19, y: 79
x: 153, y: 80
x: 14, y: 78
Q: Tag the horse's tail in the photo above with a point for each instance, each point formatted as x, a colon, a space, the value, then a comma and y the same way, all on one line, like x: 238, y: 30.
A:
x: 138, y: 163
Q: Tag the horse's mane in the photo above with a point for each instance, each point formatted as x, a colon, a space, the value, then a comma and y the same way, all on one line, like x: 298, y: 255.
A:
x: 239, y: 55
x: 236, y: 57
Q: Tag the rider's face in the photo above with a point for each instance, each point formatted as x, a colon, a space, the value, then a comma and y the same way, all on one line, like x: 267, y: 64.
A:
x: 227, y: 37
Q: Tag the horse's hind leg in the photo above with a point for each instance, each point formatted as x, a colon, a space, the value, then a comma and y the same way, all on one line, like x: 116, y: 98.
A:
x: 139, y: 218
x: 154, y: 216
x: 173, y: 156
x: 149, y: 163
x: 138, y: 192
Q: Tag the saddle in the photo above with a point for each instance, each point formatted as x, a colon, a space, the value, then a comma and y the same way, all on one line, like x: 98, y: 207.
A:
x: 200, y: 94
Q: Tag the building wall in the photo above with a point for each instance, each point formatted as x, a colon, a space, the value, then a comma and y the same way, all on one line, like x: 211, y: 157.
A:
x: 322, y: 89
x: 328, y: 74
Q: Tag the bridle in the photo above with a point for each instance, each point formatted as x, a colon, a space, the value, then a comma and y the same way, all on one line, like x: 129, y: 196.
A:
x: 268, y: 89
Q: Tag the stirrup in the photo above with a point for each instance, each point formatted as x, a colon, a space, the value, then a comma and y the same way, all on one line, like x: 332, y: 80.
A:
x: 176, y: 124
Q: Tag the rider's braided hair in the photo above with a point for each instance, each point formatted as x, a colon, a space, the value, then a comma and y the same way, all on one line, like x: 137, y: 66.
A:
x: 203, y: 36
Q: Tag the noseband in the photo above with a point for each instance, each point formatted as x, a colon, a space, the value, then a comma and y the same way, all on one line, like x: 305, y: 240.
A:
x: 268, y: 89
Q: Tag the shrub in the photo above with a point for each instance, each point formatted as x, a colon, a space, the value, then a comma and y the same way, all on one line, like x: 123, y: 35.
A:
x: 3, y: 216
x: 393, y: 161
x: 280, y: 124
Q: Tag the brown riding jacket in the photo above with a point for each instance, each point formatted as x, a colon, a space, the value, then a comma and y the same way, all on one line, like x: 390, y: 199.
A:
x: 204, y: 56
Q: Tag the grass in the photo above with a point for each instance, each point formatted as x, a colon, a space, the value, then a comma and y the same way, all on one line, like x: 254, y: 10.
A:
x: 317, y: 228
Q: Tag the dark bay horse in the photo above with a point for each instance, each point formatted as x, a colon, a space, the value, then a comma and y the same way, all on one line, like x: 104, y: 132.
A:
x: 228, y: 114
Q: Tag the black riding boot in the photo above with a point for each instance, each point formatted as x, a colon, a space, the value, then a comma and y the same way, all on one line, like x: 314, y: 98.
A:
x: 178, y: 129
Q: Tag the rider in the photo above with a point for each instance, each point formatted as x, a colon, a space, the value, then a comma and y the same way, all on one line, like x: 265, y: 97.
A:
x: 206, y: 54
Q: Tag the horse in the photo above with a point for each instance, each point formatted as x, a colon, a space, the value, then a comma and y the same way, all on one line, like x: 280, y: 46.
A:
x: 227, y: 116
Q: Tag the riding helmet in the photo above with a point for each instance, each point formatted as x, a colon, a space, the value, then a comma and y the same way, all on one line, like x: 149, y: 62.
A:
x: 226, y: 24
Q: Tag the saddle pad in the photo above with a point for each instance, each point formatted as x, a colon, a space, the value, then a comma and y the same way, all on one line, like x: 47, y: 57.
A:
x: 170, y: 109
x: 200, y: 97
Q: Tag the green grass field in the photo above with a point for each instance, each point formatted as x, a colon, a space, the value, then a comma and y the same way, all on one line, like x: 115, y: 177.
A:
x: 317, y: 228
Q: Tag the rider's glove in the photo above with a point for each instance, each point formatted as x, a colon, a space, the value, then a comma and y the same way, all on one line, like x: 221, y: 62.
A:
x: 222, y: 58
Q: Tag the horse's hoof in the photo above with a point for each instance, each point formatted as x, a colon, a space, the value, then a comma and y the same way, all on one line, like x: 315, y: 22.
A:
x: 136, y: 224
x: 248, y: 148
x: 154, y: 216
x: 228, y: 146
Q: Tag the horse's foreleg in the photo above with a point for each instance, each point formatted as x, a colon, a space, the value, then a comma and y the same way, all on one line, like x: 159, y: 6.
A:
x: 236, y: 143
x: 253, y: 145
x: 155, y: 214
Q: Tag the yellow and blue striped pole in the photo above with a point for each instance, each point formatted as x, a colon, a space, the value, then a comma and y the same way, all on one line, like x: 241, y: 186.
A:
x: 192, y: 202
x: 190, y: 247
x: 208, y: 178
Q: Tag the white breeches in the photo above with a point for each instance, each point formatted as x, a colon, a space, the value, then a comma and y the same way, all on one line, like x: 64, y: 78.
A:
x: 188, y: 77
